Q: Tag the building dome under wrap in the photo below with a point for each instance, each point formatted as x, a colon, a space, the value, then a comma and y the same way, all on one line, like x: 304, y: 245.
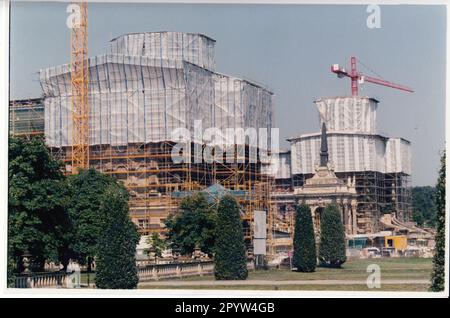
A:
x: 190, y: 47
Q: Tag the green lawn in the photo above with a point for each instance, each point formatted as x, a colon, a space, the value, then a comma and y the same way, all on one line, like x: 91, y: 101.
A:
x: 391, y: 269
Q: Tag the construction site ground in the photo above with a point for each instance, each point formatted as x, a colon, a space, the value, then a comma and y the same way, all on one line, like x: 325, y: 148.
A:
x: 397, y: 274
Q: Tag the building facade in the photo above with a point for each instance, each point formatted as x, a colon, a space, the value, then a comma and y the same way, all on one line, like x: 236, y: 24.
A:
x: 148, y: 87
x: 378, y: 166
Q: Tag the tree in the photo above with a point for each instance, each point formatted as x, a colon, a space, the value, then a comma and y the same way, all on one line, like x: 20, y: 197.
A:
x: 11, y: 274
x: 438, y: 274
x: 38, y: 221
x: 116, y: 260
x: 229, y: 260
x: 87, y: 190
x: 194, y: 225
x: 305, y: 257
x: 332, y: 238
x: 424, y: 205
x: 52, y: 217
x: 158, y: 245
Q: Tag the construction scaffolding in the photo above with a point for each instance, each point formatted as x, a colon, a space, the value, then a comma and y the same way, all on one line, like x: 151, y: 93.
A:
x: 280, y: 169
x: 26, y: 117
x: 377, y: 194
x: 380, y: 166
x: 155, y: 97
x: 248, y: 177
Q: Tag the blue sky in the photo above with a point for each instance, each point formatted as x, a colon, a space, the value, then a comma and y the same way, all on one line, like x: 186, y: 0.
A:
x: 289, y: 48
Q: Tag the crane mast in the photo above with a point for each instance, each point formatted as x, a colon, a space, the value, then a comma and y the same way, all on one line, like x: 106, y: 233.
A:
x: 79, y: 68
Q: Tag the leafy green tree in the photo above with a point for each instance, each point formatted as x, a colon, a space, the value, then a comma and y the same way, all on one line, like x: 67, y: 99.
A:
x: 115, y: 259
x: 158, y: 244
x: 332, y: 238
x: 424, y: 205
x: 52, y: 217
x: 11, y: 274
x: 87, y: 189
x: 305, y: 257
x: 230, y: 262
x: 194, y: 225
x: 438, y: 274
x: 37, y: 204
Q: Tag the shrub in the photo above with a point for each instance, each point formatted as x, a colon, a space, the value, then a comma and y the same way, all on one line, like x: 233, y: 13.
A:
x: 332, y: 238
x: 229, y: 259
x: 305, y: 257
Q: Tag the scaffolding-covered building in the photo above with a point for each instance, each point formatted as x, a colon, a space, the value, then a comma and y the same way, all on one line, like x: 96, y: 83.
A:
x: 141, y: 93
x: 380, y: 166
x: 26, y: 117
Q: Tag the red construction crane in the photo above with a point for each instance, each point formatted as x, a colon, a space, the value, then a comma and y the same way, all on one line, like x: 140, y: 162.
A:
x: 356, y: 78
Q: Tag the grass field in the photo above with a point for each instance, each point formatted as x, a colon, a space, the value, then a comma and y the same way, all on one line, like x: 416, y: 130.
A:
x: 414, y: 272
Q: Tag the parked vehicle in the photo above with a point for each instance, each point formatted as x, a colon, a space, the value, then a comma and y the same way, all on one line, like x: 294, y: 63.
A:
x: 372, y: 252
x: 387, y: 251
x: 412, y: 251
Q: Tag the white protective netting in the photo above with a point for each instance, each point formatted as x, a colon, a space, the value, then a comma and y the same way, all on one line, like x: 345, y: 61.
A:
x: 191, y: 47
x: 131, y: 99
x: 352, y: 152
x: 240, y: 104
x: 348, y: 114
x: 279, y: 167
x: 140, y: 99
x: 398, y: 155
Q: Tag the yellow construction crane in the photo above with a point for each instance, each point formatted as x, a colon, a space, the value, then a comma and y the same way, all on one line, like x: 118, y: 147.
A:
x: 79, y: 68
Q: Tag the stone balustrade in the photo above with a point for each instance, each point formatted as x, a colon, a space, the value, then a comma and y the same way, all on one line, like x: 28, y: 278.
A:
x: 42, y: 280
x: 163, y: 271
x: 146, y: 273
